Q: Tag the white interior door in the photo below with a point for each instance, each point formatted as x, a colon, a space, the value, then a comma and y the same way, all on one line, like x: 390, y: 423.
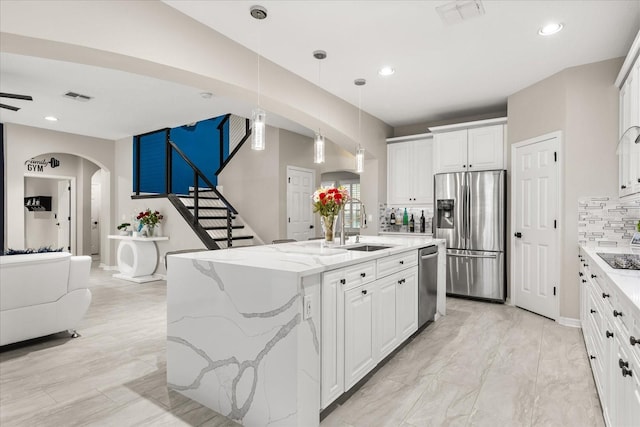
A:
x: 64, y: 215
x: 300, y: 184
x: 95, y: 215
x: 535, y: 225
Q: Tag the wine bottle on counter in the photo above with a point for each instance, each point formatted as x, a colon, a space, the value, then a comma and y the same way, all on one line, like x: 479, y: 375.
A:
x: 412, y: 225
x: 392, y: 217
x: 405, y: 218
x: 422, y: 223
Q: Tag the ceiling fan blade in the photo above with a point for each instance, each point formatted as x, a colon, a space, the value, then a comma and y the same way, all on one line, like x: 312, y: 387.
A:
x: 9, y: 107
x: 14, y: 96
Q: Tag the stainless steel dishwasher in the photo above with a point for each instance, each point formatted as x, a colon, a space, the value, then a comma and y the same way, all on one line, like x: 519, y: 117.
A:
x: 427, y: 284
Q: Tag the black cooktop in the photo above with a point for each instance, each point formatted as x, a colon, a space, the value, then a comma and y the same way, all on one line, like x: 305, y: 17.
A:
x: 621, y: 261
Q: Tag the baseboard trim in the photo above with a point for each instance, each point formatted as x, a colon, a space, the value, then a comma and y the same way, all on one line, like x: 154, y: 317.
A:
x: 569, y: 321
x: 108, y: 267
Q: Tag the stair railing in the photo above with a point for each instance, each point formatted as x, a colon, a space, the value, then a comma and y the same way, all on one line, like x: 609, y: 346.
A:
x: 197, y: 175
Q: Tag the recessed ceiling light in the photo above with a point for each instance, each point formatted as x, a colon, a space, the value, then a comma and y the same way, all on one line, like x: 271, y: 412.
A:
x: 51, y: 118
x: 386, y: 71
x: 551, y: 28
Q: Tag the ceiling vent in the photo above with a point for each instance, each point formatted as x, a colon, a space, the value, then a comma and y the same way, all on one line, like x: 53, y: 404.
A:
x: 460, y: 10
x: 77, y: 96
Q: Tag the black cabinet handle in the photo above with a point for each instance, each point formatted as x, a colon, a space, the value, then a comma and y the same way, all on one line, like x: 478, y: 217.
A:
x: 464, y: 166
x: 623, y: 364
x: 470, y: 166
x: 581, y: 274
x: 623, y: 187
x: 593, y: 276
x: 364, y: 292
x: 609, y: 334
x: 401, y: 262
x: 401, y: 281
x: 592, y: 357
x: 363, y: 274
x: 617, y: 313
x: 518, y: 235
x: 584, y: 281
x: 605, y: 295
x: 626, y: 372
x: 586, y: 265
x: 592, y: 311
x: 633, y: 340
x: 343, y: 281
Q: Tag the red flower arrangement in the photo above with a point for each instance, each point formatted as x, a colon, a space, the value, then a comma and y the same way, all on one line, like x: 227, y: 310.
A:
x: 149, y: 218
x: 328, y: 201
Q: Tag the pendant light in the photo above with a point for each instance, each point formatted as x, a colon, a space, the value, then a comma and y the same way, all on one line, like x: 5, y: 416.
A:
x: 360, y: 149
x: 318, y: 141
x: 258, y: 115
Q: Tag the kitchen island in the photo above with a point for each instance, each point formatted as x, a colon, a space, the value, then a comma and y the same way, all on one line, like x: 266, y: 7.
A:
x: 256, y: 333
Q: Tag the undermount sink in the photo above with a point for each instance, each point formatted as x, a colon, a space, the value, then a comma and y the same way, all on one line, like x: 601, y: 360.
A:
x: 368, y: 248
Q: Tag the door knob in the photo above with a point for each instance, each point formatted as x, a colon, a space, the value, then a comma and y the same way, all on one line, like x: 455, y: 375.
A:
x: 311, y: 226
x: 518, y: 235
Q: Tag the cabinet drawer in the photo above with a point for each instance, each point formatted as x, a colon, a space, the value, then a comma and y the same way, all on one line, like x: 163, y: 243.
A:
x: 359, y: 274
x: 393, y: 264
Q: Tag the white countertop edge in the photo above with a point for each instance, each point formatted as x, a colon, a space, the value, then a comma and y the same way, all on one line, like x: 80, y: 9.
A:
x: 278, y: 258
x: 627, y: 281
x: 138, y: 238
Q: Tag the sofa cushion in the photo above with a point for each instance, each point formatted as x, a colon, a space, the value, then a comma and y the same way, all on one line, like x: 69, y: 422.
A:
x: 33, y: 279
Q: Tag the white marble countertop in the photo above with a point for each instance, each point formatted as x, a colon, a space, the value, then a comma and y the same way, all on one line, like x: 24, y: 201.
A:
x: 404, y: 233
x: 628, y: 281
x: 309, y: 257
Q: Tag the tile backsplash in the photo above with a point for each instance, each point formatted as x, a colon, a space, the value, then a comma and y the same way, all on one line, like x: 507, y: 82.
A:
x: 385, y: 213
x: 605, y: 221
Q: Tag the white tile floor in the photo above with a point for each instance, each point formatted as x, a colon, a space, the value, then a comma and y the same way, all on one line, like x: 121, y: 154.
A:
x: 483, y: 364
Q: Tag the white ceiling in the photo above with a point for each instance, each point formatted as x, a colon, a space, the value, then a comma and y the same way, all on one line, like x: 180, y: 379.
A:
x: 441, y: 71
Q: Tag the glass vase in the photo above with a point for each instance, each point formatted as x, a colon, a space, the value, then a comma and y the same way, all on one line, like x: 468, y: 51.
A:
x: 328, y: 223
x: 150, y: 230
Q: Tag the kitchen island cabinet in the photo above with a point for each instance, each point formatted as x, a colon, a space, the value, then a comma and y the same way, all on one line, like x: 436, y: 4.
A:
x: 247, y: 327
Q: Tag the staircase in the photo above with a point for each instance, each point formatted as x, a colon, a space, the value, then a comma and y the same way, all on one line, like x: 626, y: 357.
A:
x: 209, y: 214
x: 212, y: 220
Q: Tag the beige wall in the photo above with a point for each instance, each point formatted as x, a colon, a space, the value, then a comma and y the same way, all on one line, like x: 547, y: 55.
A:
x: 582, y: 102
x: 23, y: 143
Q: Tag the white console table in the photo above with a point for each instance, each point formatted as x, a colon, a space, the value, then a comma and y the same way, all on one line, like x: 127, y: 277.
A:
x: 137, y: 258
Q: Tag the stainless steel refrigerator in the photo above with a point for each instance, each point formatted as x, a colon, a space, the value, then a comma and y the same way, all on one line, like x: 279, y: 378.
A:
x: 470, y: 214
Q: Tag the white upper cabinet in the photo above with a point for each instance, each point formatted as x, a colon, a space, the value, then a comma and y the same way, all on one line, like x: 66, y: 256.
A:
x: 472, y: 146
x: 628, y: 151
x: 450, y: 151
x: 410, y: 171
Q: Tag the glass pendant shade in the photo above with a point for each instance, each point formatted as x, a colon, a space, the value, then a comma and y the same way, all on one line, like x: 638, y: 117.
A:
x: 360, y: 160
x: 257, y: 134
x: 318, y: 149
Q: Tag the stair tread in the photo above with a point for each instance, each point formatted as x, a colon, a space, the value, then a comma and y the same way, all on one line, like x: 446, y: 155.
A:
x: 205, y: 217
x: 222, y: 239
x: 184, y: 196
x: 222, y: 227
x: 207, y: 207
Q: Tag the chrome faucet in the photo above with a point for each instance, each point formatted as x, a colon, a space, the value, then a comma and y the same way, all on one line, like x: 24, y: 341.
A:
x: 363, y: 221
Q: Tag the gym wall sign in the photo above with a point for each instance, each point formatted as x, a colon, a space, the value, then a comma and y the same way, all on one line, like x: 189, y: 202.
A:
x: 39, y: 165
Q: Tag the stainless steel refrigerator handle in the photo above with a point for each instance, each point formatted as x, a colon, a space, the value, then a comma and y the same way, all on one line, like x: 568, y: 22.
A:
x: 474, y: 256
x: 468, y: 196
x: 464, y: 214
x: 429, y: 256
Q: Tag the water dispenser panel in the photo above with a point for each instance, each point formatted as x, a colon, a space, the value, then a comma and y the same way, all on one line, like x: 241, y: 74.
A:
x: 445, y: 213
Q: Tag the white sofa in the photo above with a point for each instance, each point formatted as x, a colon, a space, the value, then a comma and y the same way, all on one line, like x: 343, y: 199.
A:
x: 41, y: 294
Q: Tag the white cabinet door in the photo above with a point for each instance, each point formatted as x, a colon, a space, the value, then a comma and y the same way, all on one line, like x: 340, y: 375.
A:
x: 398, y: 174
x: 359, y: 349
x: 332, y: 361
x: 407, y: 298
x: 485, y: 148
x: 386, y: 316
x: 450, y: 151
x: 422, y: 180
